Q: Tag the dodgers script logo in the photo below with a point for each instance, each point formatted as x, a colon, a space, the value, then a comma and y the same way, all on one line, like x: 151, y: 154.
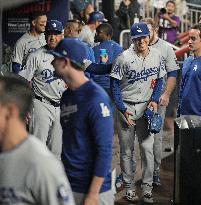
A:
x: 48, y: 76
x: 133, y: 75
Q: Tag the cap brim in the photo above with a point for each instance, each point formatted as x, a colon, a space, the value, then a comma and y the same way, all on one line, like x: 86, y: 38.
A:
x: 139, y: 36
x: 56, y: 54
x: 103, y: 20
x: 53, y: 31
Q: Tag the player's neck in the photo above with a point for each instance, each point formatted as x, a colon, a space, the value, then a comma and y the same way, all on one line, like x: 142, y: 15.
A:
x: 197, y: 53
x: 143, y: 54
x: 76, y: 79
x: 34, y: 33
x: 14, y: 135
x: 155, y: 39
x: 92, y: 27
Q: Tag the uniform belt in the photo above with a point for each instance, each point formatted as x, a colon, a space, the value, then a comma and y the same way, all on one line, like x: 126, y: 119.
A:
x: 55, y: 104
x: 134, y: 103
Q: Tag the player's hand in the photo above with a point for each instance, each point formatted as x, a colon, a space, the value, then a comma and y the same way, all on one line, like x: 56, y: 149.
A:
x: 127, y: 115
x: 153, y: 106
x: 104, y: 59
x: 164, y: 99
x: 91, y: 199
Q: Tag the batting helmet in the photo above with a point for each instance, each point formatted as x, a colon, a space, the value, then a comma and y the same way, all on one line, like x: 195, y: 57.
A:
x: 139, y: 30
x: 97, y: 16
x: 54, y: 25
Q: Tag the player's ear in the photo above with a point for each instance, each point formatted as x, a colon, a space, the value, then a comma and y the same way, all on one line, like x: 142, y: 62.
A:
x: 33, y: 22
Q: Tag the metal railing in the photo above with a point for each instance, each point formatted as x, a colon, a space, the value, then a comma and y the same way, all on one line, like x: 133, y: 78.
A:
x: 191, y: 18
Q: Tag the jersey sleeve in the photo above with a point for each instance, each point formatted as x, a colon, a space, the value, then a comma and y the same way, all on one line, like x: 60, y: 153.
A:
x: 50, y: 185
x: 171, y: 61
x: 18, y: 53
x: 119, y: 68
x: 101, y: 125
x: 30, y: 67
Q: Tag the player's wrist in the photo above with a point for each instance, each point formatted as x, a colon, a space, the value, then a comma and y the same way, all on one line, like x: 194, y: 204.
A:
x: 167, y: 92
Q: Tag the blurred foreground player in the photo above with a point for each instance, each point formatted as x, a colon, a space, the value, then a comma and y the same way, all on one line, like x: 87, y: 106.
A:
x: 86, y: 119
x: 30, y: 174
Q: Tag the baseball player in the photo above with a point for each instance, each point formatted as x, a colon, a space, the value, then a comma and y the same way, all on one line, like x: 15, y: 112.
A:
x: 30, y: 174
x: 88, y: 31
x: 47, y: 90
x: 190, y: 87
x: 104, y: 33
x: 29, y: 42
x: 136, y: 82
x: 71, y: 31
x: 171, y: 67
x: 86, y: 119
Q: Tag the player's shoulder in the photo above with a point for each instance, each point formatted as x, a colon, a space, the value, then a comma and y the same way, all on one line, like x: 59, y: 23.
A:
x: 154, y: 52
x: 125, y: 55
x: 25, y: 38
x: 95, y: 92
x: 189, y: 60
x: 39, y: 155
x: 38, y: 53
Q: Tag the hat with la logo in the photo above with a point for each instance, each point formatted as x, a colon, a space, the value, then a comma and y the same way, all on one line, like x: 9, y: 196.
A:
x: 139, y: 30
x: 73, y: 49
x: 54, y: 26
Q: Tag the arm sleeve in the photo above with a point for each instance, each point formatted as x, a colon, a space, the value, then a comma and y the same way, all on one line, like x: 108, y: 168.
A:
x: 157, y: 90
x: 50, y: 185
x: 99, y: 69
x: 91, y: 55
x: 101, y: 124
x: 119, y: 67
x: 116, y: 93
x: 16, y: 67
x: 18, y: 53
x: 172, y: 74
x: 30, y: 67
x: 171, y: 61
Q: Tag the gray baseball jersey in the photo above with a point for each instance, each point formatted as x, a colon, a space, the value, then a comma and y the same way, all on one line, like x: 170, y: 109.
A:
x: 39, y: 69
x: 30, y: 174
x: 167, y: 53
x: 26, y: 45
x: 87, y: 35
x: 138, y: 76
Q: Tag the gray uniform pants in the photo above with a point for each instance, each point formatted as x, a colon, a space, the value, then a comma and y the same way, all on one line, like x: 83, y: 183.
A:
x: 158, y: 138
x: 127, y: 162
x: 46, y: 126
x: 105, y: 198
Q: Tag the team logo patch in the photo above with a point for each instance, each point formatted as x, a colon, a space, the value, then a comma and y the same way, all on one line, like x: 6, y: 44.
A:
x: 104, y: 110
x: 54, y: 25
x: 64, y: 52
x: 195, y: 67
x: 139, y: 30
x: 63, y: 193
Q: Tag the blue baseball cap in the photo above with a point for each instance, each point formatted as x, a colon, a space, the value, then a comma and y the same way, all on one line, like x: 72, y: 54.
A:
x: 54, y: 25
x: 97, y: 16
x: 139, y: 30
x: 71, y: 48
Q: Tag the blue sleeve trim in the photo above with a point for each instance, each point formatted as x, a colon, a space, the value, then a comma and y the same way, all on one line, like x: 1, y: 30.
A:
x: 157, y: 90
x: 99, y: 69
x: 172, y: 74
x: 116, y: 93
x: 16, y: 67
